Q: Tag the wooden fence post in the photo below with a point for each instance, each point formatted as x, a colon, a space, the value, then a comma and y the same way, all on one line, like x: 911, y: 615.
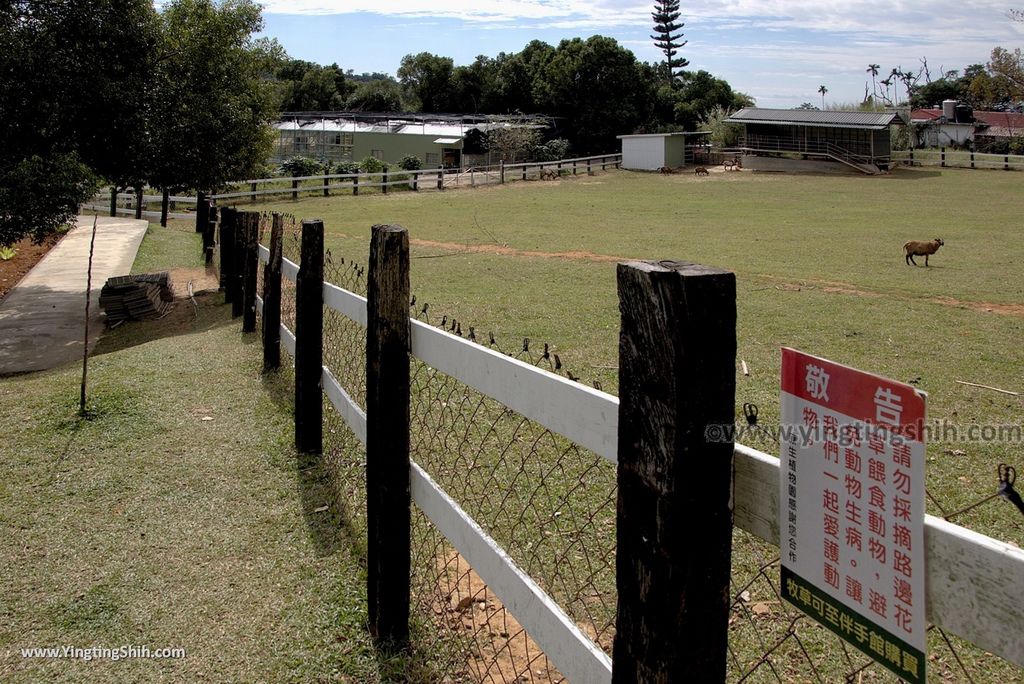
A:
x: 942, y: 150
x: 238, y: 263
x: 327, y: 189
x: 227, y: 242
x: 440, y: 179
x: 387, y: 435
x: 251, y: 263
x: 524, y: 173
x: 202, y: 209
x: 295, y: 191
x: 272, y: 297
x: 972, y: 159
x: 113, y: 200
x: 139, y: 201
x: 590, y: 172
x: 911, y: 157
x: 502, y: 172
x: 309, y: 342
x: 210, y: 235
x: 384, y: 180
x: 165, y: 201
x: 1006, y: 162
x: 574, y: 167
x: 355, y: 185
x: 677, y: 386
x: 415, y: 181
x: 252, y: 196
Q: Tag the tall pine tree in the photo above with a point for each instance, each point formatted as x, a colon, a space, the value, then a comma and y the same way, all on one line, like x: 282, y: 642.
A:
x: 666, y: 35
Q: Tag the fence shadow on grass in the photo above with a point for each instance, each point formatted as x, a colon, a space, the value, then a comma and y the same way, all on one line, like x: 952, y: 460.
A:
x: 207, y: 314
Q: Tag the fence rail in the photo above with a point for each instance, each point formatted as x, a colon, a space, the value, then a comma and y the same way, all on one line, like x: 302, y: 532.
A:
x: 962, y: 159
x: 972, y: 580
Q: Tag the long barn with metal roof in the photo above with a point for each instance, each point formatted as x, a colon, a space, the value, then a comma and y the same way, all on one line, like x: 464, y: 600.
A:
x: 858, y: 140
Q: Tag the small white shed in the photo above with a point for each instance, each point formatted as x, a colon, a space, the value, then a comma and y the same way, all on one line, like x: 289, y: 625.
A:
x: 651, y: 151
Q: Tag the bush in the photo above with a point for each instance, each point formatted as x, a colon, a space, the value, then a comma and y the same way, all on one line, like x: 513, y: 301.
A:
x: 345, y: 168
x: 411, y: 162
x: 301, y: 166
x: 552, y: 150
x: 371, y: 165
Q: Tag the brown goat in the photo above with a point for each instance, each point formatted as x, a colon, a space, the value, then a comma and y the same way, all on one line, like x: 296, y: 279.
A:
x: 700, y: 171
x: 921, y: 248
x: 666, y: 169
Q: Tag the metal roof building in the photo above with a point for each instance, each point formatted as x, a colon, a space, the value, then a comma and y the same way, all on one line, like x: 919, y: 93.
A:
x: 859, y: 140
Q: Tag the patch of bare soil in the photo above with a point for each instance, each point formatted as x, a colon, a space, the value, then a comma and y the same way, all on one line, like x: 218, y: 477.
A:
x: 834, y: 287
x: 504, y: 250
x: 201, y: 279
x: 503, y: 651
x: 27, y: 255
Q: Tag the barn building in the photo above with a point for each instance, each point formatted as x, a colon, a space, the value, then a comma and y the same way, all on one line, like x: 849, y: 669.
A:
x: 652, y: 151
x: 438, y: 140
x: 813, y: 140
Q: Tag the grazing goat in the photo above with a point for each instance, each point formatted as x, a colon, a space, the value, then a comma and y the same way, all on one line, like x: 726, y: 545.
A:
x: 700, y: 171
x: 666, y: 169
x: 921, y: 248
x: 548, y: 174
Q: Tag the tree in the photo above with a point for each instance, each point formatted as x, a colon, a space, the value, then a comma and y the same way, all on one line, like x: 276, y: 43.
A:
x: 1009, y: 66
x: 307, y: 87
x: 74, y: 101
x: 873, y: 70
x: 822, y: 89
x: 215, y: 96
x: 427, y: 80
x: 513, y: 143
x: 666, y: 35
x: 723, y: 135
x: 382, y: 95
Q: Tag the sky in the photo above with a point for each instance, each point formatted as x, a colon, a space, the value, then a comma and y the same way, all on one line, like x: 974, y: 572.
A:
x: 778, y: 51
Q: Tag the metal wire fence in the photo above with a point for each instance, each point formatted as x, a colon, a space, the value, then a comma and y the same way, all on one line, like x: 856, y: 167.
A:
x: 551, y: 505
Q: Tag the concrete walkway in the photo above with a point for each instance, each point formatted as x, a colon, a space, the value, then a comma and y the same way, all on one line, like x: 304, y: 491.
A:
x: 42, y: 318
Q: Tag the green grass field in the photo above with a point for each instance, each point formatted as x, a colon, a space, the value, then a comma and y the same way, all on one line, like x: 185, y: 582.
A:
x: 819, y: 266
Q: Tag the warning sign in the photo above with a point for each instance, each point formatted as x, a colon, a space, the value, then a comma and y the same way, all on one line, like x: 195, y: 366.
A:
x: 852, y: 507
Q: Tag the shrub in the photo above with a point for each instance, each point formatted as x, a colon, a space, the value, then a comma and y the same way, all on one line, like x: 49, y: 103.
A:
x: 371, y: 165
x: 7, y: 253
x: 552, y: 150
x: 301, y: 166
x: 345, y: 167
x: 411, y: 162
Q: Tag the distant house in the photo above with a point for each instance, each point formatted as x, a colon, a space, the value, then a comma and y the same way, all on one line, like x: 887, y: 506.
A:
x: 438, y: 140
x: 652, y: 151
x: 812, y: 140
x: 955, y: 125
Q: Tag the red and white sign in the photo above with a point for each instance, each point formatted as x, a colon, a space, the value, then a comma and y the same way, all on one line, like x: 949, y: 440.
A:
x: 852, y: 507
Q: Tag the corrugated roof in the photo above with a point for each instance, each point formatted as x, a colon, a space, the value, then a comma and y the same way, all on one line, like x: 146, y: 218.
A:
x: 812, y: 117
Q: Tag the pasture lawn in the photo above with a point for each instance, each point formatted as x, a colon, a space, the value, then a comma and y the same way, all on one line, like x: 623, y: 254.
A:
x: 176, y: 515
x: 819, y: 266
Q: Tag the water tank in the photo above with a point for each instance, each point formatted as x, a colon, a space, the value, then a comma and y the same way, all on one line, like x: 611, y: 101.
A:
x: 964, y: 114
x: 949, y: 109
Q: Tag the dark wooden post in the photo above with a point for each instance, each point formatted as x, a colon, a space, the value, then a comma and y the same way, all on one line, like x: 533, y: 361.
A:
x: 327, y: 190
x: 942, y: 151
x: 139, y: 201
x: 295, y: 191
x: 272, y: 298
x: 210, y: 235
x: 589, y: 170
x: 202, y: 208
x: 387, y: 435
x: 524, y: 173
x: 1006, y: 162
x: 559, y: 169
x: 238, y: 262
x: 911, y: 157
x: 165, y: 202
x: 309, y: 343
x: 113, y: 200
x: 972, y: 159
x: 227, y: 242
x: 440, y: 179
x: 501, y: 171
x: 252, y: 197
x: 355, y: 185
x: 677, y: 386
x: 384, y: 180
x: 251, y: 263
x: 415, y: 181
x: 574, y: 167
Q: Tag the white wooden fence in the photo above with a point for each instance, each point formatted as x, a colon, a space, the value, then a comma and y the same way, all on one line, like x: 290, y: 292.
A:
x: 974, y: 583
x: 961, y: 159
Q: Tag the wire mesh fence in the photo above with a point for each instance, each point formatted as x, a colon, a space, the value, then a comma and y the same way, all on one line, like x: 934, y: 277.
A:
x: 550, y: 505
